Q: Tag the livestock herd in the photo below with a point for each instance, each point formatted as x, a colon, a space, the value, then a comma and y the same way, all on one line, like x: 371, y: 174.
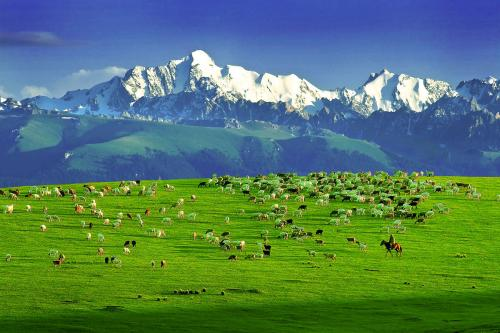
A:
x: 280, y: 203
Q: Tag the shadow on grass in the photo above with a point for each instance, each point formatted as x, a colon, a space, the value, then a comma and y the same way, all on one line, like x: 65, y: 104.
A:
x: 475, y: 313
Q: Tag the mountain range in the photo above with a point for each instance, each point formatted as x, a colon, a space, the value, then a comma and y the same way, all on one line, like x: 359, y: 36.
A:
x: 395, y: 111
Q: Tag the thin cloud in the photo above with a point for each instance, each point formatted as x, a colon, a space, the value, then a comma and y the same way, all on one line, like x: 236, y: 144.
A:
x: 29, y: 38
x: 33, y: 91
x: 4, y: 93
x: 86, y: 78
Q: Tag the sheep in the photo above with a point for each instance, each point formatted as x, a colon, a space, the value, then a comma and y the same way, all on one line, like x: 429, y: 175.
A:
x: 100, y: 237
x: 45, y: 209
x: 100, y: 251
x: 429, y: 214
x: 93, y: 204
x: 226, y: 220
x: 191, y: 216
x: 89, y: 236
x: 162, y: 210
x: 126, y: 251
x: 167, y: 220
x: 51, y: 218
x: 100, y: 214
x: 163, y: 263
x: 119, y: 215
x: 57, y: 262
x: 193, y: 197
x: 180, y: 214
x: 43, y: 228
x: 160, y: 233
x: 79, y: 209
x: 283, y: 235
x: 241, y: 246
x: 330, y: 256
x: 9, y: 209
x: 311, y: 253
x: 153, y: 264
x: 194, y: 235
x: 28, y: 208
x: 8, y: 257
x: 106, y: 222
x: 147, y: 212
x: 362, y: 246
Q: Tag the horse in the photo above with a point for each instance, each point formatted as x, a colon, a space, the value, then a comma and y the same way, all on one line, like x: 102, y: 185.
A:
x: 394, y: 246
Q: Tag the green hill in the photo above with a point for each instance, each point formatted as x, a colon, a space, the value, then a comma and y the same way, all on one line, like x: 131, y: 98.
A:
x: 42, y: 148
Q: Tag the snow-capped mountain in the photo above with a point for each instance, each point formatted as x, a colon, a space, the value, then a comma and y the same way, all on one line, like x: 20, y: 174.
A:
x: 486, y: 93
x: 195, y: 87
x: 388, y: 91
x: 197, y: 73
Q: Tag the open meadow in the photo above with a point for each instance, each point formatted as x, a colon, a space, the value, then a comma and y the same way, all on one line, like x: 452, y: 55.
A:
x: 446, y: 280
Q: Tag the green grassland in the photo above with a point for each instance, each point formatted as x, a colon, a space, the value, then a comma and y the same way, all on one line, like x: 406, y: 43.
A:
x: 429, y: 288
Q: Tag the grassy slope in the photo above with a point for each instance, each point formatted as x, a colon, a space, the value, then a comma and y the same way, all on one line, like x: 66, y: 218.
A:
x: 39, y: 134
x: 287, y: 292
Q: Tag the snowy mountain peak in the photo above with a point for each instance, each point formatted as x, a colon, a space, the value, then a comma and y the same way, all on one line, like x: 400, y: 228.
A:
x: 200, y: 57
x: 484, y: 92
x: 388, y: 91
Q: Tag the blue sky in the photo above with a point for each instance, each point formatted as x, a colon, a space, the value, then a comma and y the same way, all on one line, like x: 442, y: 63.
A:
x: 52, y: 46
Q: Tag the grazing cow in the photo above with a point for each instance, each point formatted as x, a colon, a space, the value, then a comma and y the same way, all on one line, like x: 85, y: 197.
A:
x: 106, y: 260
x: 202, y: 184
x: 267, y: 247
x: 91, y: 225
x: 134, y: 243
x: 126, y: 251
x: 126, y: 244
x: 267, y: 253
x: 147, y: 212
x: 233, y: 257
x: 163, y: 263
x: 351, y: 239
x: 319, y: 232
x: 320, y: 242
x: 57, y: 262
x: 129, y: 216
x: 245, y: 192
x: 302, y: 207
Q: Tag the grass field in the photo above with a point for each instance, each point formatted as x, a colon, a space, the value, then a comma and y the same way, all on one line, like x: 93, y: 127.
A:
x: 429, y: 288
